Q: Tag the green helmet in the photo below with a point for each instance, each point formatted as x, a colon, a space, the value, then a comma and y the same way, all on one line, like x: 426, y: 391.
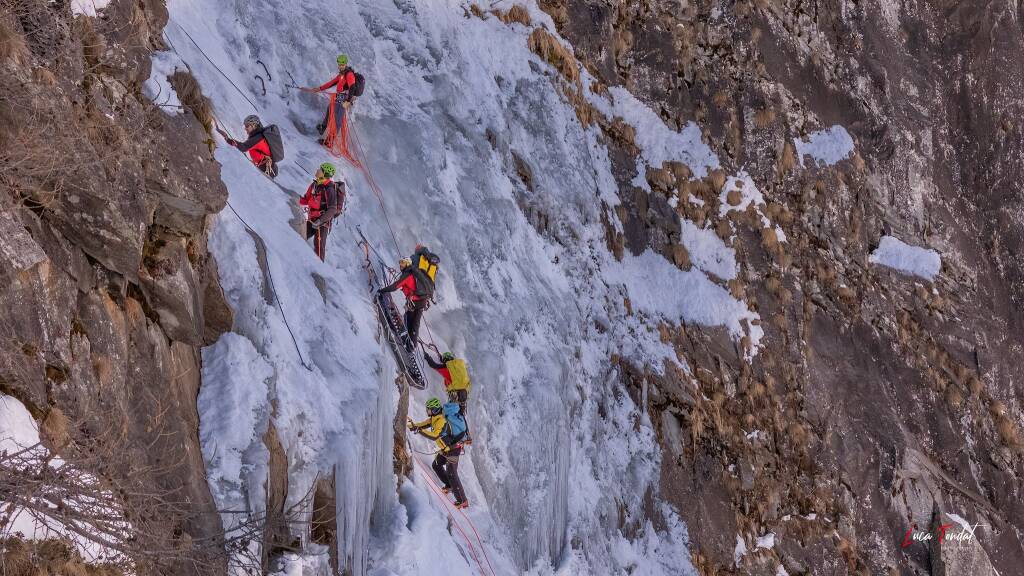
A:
x: 328, y: 169
x: 447, y: 357
x: 342, y: 60
x: 433, y: 404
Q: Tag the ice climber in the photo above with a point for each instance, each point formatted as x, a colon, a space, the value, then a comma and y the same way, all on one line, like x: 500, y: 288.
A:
x: 348, y: 86
x: 456, y: 381
x: 417, y: 284
x: 324, y: 200
x: 263, y: 144
x: 446, y: 427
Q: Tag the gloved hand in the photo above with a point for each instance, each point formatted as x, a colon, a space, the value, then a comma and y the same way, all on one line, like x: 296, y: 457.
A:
x: 410, y: 425
x: 232, y: 142
x: 346, y: 104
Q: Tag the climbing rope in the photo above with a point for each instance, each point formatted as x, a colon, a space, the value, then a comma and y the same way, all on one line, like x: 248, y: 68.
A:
x: 212, y: 63
x: 448, y: 503
x: 273, y: 289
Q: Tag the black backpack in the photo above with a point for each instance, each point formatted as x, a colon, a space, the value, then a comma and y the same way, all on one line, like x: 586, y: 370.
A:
x: 357, y: 89
x: 273, y: 137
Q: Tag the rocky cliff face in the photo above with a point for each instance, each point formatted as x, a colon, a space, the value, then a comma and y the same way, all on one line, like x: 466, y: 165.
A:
x: 107, y: 287
x: 880, y: 402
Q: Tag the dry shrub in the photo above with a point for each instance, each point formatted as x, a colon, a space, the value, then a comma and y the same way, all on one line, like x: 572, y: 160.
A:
x: 44, y: 557
x: 681, y: 256
x: 721, y: 98
x: 734, y: 197
x: 1008, y: 432
x: 477, y: 11
x: 44, y: 76
x: 975, y: 385
x: 517, y: 13
x: 764, y: 118
x: 190, y: 94
x: 54, y: 430
x: 723, y: 230
x: 12, y: 45
x: 997, y: 408
x: 787, y: 160
x: 553, y: 52
x: 585, y: 111
x: 770, y: 240
x: 93, y: 44
x: 954, y: 398
x: 717, y: 180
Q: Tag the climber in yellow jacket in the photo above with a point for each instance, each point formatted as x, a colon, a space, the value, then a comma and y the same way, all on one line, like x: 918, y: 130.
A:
x: 449, y: 443
x: 456, y: 379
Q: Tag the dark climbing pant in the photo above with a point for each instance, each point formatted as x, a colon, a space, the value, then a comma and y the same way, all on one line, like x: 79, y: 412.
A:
x: 339, y: 115
x: 446, y: 466
x: 413, y: 312
x: 319, y: 236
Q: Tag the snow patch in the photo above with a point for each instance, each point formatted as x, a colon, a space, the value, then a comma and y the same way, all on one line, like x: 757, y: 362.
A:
x: 707, y: 251
x: 894, y: 253
x: 827, y: 146
x: 88, y: 7
x: 157, y: 88
x: 657, y: 142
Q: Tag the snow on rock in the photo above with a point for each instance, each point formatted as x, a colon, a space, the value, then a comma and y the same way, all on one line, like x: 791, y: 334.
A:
x: 766, y: 541
x: 894, y: 253
x: 828, y: 146
x: 157, y: 88
x: 18, y: 430
x: 707, y: 251
x: 658, y: 142
x: 657, y: 287
x: 88, y: 7
x: 739, y: 551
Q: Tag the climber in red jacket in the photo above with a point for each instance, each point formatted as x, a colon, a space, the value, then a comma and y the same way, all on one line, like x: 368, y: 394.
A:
x: 325, y: 200
x: 418, y: 289
x: 263, y: 145
x: 345, y: 86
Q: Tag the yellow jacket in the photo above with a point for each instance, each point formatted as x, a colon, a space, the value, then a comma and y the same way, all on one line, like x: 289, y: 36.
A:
x: 436, y: 425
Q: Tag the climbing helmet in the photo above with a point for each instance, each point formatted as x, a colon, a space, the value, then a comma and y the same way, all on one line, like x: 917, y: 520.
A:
x: 327, y: 169
x: 447, y: 357
x: 252, y: 122
x: 342, y: 60
x: 433, y: 404
x: 405, y: 263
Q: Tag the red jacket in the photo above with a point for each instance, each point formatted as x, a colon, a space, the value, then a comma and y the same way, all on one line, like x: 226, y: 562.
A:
x: 260, y: 152
x: 343, y: 81
x: 325, y: 200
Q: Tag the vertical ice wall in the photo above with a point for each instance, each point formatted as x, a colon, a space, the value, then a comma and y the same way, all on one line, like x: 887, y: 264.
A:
x: 528, y: 291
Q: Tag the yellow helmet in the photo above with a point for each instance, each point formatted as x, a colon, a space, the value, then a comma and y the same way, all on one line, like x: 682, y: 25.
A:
x: 405, y: 263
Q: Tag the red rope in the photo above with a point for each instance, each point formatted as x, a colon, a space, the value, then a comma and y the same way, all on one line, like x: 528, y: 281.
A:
x: 430, y: 480
x: 440, y: 494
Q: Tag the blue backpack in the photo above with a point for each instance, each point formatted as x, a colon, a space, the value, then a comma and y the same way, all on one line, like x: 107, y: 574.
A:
x: 456, y: 424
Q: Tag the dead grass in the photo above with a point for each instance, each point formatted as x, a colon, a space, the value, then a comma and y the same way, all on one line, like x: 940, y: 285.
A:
x: 1008, y: 432
x: 44, y: 76
x: 477, y: 11
x: 190, y: 93
x: 553, y: 52
x: 55, y: 430
x: 764, y: 118
x: 12, y: 45
x: 517, y: 13
x: 787, y: 159
x: 46, y: 558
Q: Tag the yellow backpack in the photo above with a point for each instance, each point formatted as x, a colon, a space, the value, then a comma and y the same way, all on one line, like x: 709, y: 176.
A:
x: 459, y: 374
x: 428, y: 263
